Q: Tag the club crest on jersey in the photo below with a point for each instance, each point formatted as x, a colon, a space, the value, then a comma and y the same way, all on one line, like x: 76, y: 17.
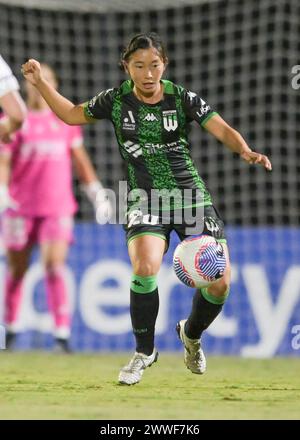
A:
x: 170, y: 120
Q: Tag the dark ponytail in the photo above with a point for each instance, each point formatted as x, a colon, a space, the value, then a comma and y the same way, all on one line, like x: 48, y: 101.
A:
x: 144, y: 41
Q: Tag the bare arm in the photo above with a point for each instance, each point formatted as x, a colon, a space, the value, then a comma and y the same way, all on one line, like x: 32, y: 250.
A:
x: 83, y: 165
x: 235, y: 142
x: 68, y: 112
x: 15, y: 111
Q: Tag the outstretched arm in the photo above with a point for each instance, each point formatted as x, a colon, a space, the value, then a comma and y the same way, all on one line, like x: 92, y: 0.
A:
x: 235, y: 142
x: 68, y: 112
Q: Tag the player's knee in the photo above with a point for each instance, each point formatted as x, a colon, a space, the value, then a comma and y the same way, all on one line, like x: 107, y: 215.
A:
x: 17, y: 269
x: 145, y: 268
x: 53, y: 269
x: 220, y: 289
x: 17, y: 272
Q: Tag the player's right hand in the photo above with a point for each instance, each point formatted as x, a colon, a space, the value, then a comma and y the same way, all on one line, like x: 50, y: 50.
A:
x: 103, y: 208
x: 100, y: 200
x: 32, y: 71
x: 6, y: 201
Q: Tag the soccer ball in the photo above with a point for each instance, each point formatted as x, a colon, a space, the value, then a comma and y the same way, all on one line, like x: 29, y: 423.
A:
x: 199, y: 261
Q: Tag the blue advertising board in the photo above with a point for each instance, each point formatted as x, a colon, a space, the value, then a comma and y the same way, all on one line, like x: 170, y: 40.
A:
x: 260, y: 319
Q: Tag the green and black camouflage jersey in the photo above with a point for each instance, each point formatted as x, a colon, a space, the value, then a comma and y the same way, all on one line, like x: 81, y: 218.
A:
x: 153, y: 138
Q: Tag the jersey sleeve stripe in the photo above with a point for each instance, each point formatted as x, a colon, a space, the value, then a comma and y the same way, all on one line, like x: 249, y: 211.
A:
x: 210, y: 115
x: 87, y: 113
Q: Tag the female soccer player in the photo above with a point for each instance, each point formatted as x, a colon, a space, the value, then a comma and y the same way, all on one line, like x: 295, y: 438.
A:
x: 151, y: 117
x: 35, y: 170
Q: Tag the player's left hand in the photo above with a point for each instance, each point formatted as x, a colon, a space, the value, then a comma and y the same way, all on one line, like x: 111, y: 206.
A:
x: 257, y: 158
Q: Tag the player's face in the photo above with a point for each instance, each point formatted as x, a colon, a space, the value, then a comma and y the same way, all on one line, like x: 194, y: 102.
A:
x: 145, y: 68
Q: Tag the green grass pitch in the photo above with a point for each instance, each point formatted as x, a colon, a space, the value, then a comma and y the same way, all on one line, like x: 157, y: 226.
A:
x: 48, y: 386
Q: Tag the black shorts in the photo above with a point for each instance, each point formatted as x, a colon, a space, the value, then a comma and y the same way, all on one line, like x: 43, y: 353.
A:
x: 206, y: 221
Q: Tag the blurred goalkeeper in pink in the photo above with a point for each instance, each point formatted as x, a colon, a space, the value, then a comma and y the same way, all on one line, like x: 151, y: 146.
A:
x: 38, y: 205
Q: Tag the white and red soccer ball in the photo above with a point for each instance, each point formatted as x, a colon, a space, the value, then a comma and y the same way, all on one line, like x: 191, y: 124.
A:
x: 199, y: 261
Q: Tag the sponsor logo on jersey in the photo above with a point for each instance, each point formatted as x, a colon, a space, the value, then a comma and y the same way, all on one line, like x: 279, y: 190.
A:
x: 170, y: 120
x: 204, y: 109
x: 129, y: 121
x: 134, y: 149
x: 150, y: 117
x: 168, y: 147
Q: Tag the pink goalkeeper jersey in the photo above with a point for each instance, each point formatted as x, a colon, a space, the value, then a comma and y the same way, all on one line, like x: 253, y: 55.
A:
x: 41, y: 168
